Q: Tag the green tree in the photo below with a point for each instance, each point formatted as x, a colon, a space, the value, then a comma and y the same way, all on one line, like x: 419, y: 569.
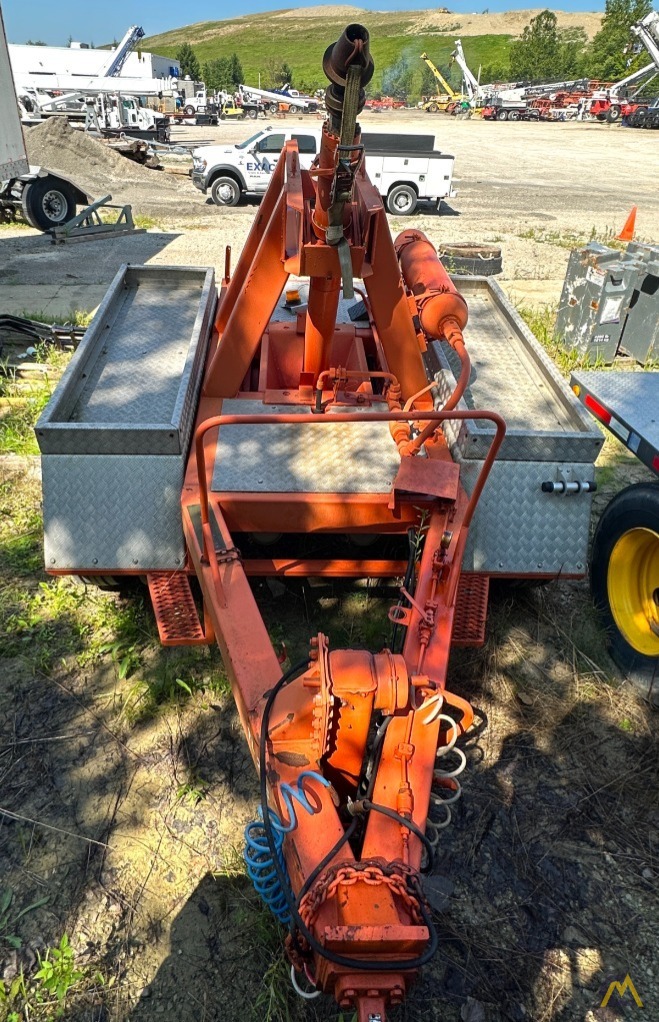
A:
x: 285, y: 74
x: 536, y: 54
x: 493, y: 73
x: 189, y: 62
x: 543, y: 53
x: 609, y: 54
x: 236, y: 70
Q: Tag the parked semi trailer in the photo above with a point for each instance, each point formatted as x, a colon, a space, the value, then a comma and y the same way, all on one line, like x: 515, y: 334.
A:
x: 259, y: 436
x: 45, y: 199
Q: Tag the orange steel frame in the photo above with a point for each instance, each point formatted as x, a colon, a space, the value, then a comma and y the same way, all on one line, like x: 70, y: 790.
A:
x: 321, y: 720
x: 365, y: 905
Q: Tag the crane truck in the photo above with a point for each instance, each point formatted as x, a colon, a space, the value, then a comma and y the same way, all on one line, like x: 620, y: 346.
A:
x: 281, y: 428
x: 46, y: 199
x: 443, y: 99
x: 615, y: 102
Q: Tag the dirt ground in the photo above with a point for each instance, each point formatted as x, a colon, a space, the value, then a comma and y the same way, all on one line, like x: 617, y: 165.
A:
x: 125, y: 783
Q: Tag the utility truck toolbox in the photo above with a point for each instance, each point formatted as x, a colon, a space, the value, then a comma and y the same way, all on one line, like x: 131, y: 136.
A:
x: 115, y: 438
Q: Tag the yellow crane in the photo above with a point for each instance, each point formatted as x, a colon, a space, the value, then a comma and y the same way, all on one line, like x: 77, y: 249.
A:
x: 442, y: 100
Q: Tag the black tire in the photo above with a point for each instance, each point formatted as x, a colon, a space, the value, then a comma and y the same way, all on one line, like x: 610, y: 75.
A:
x: 402, y: 200
x: 641, y: 117
x: 654, y: 119
x: 613, y: 114
x: 624, y: 578
x: 433, y: 108
x: 513, y: 115
x: 633, y: 120
x: 502, y: 115
x: 189, y: 110
x: 273, y: 108
x: 48, y: 202
x: 225, y: 191
x: 252, y: 114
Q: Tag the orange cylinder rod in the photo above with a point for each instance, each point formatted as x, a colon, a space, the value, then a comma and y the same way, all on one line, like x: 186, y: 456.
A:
x: 442, y: 309
x: 321, y: 321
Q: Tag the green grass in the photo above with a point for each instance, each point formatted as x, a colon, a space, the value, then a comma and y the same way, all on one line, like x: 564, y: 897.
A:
x: 301, y: 43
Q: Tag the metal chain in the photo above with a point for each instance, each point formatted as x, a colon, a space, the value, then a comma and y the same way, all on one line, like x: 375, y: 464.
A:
x: 395, y: 877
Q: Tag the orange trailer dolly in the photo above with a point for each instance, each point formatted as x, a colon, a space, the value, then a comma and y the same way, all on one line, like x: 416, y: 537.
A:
x: 306, y: 441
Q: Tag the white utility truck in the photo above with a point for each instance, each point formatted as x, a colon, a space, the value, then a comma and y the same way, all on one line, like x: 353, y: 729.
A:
x: 405, y: 168
x: 45, y: 199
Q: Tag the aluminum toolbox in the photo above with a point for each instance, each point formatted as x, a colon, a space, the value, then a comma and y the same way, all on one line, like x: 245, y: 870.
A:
x: 114, y: 437
x: 518, y: 528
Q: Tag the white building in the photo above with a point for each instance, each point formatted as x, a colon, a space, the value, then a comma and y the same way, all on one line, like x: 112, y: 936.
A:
x: 76, y: 61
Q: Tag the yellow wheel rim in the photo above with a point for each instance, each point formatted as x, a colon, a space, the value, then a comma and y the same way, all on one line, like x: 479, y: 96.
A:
x: 633, y: 589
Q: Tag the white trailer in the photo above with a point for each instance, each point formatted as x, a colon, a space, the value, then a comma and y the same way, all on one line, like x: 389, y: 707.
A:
x: 45, y: 199
x: 13, y: 159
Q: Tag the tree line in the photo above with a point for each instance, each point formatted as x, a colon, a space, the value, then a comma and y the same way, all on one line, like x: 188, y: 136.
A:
x: 226, y: 73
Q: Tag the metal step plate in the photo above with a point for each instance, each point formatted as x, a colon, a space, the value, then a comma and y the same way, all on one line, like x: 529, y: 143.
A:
x: 470, y: 610
x: 175, y: 609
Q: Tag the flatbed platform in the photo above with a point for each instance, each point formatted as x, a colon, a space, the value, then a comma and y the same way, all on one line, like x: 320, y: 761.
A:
x: 627, y: 403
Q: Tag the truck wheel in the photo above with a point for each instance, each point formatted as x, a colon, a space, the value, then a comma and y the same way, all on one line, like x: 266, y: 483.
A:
x: 189, y: 110
x: 402, y: 200
x: 273, y: 108
x: 433, y: 108
x: 48, y: 202
x: 654, y: 120
x: 613, y: 114
x: 252, y: 114
x: 641, y: 117
x: 624, y: 578
x: 225, y: 191
x: 502, y: 115
x: 513, y: 115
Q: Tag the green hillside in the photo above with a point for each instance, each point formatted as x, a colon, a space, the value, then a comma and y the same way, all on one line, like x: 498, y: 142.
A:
x: 261, y: 39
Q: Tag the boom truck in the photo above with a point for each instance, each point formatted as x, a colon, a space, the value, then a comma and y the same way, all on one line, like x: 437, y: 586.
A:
x: 444, y: 98
x: 282, y: 428
x: 44, y: 198
x: 615, y: 102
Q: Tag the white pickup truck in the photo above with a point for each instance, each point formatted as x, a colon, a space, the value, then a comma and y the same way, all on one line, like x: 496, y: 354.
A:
x: 405, y: 168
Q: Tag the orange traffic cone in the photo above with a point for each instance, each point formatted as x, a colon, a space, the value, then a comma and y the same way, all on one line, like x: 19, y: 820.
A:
x: 627, y: 233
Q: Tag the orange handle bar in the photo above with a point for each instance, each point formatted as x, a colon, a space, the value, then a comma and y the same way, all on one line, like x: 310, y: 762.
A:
x: 431, y: 417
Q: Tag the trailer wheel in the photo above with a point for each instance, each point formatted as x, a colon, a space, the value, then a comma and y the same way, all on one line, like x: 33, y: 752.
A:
x: 402, y: 200
x: 225, y: 191
x: 624, y: 577
x: 613, y: 114
x: 48, y: 202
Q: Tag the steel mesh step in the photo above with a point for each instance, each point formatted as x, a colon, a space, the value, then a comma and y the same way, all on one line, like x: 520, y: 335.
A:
x: 471, y: 610
x: 175, y: 609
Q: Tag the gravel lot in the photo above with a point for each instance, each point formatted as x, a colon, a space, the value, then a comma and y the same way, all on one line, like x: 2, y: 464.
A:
x: 533, y: 188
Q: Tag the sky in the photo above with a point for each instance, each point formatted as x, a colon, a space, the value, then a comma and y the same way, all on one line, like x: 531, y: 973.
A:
x: 53, y: 21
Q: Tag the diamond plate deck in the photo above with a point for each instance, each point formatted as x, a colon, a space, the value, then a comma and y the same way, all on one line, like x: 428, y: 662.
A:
x: 132, y: 386
x: 631, y: 397
x: 343, y: 457
x: 512, y: 375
